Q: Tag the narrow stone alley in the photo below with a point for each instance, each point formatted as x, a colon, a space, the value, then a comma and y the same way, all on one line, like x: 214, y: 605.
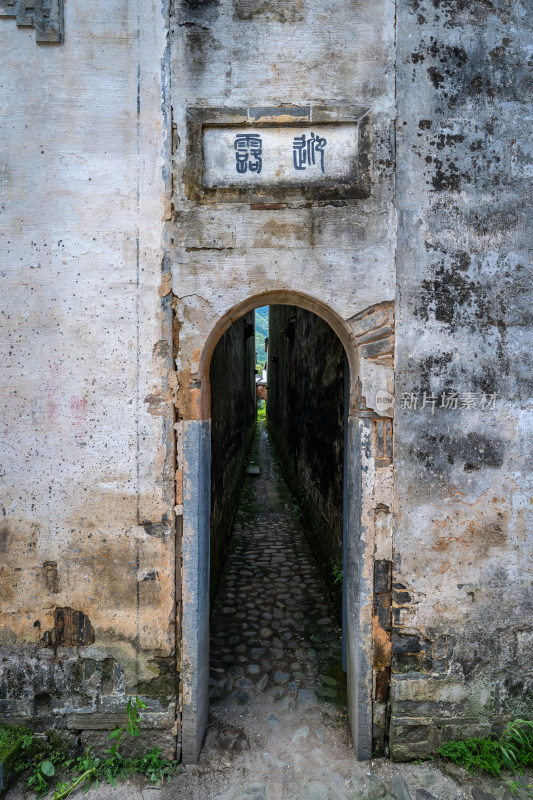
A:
x: 278, y: 728
x: 275, y: 643
x: 277, y: 687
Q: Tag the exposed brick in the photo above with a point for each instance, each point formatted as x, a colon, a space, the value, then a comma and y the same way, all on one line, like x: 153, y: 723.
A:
x: 382, y: 576
x: 382, y: 609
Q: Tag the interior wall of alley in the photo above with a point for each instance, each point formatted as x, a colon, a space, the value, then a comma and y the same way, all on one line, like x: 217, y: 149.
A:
x: 305, y: 407
x: 233, y: 424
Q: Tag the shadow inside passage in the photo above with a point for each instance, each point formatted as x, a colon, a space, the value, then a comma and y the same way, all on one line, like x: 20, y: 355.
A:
x: 275, y: 640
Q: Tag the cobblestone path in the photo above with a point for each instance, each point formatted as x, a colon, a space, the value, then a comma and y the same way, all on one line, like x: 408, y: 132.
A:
x: 277, y: 690
x: 274, y: 638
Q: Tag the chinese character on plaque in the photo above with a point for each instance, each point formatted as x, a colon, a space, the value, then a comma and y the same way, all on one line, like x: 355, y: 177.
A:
x: 248, y: 153
x: 304, y: 150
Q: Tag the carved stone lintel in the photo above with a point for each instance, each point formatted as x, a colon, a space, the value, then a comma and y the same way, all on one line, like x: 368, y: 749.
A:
x: 46, y: 16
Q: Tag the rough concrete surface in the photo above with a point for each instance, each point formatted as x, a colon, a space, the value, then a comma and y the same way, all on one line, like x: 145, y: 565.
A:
x: 253, y: 776
x: 87, y: 497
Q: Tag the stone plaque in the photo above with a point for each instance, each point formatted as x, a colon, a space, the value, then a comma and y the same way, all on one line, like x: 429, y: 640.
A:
x: 314, y: 155
x: 278, y: 154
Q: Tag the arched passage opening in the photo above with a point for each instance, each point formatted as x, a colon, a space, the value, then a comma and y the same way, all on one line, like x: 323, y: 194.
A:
x: 276, y: 297
x: 198, y: 542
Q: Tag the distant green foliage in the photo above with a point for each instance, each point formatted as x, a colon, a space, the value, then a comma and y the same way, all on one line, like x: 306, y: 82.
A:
x: 261, y: 410
x: 513, y: 750
x: 261, y: 333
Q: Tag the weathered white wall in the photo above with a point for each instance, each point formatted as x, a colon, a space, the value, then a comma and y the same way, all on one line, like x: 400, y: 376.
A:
x: 261, y: 54
x: 87, y: 471
x: 462, y: 598
x: 94, y: 236
x: 463, y: 624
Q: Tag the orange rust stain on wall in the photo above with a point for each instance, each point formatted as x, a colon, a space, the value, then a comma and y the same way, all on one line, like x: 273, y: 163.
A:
x: 479, y: 535
x: 179, y: 486
x: 113, y: 565
x: 158, y: 404
x: 8, y: 584
x: 444, y: 542
x: 166, y: 284
x: 382, y: 645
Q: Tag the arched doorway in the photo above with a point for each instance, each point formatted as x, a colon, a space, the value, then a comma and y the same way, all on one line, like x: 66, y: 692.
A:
x: 358, y: 570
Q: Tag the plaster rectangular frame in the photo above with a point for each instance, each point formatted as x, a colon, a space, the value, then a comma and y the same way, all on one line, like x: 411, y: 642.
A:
x: 356, y: 185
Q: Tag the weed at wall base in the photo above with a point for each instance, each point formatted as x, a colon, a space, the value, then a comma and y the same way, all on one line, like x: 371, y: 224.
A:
x: 45, y: 760
x: 512, y: 750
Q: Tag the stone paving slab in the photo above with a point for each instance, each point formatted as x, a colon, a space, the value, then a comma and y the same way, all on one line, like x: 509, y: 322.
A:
x: 246, y: 777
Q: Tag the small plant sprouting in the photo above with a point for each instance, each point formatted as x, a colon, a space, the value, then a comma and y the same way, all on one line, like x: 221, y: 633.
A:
x: 132, y: 726
x: 38, y: 778
x: 336, y: 571
x: 89, y: 770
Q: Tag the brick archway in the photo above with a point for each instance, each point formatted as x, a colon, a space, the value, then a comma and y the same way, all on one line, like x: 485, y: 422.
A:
x: 363, y: 445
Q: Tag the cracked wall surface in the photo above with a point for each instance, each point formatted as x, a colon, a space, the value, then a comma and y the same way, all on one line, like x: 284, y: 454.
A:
x: 330, y: 250
x: 224, y: 254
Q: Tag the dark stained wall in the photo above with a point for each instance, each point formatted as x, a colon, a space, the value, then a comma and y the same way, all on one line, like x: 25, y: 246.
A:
x: 463, y: 602
x: 232, y: 377
x: 305, y: 410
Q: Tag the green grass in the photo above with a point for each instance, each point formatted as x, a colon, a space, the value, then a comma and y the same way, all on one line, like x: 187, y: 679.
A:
x: 512, y: 750
x: 8, y: 743
x: 13, y: 739
x: 474, y: 755
x: 336, y: 571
